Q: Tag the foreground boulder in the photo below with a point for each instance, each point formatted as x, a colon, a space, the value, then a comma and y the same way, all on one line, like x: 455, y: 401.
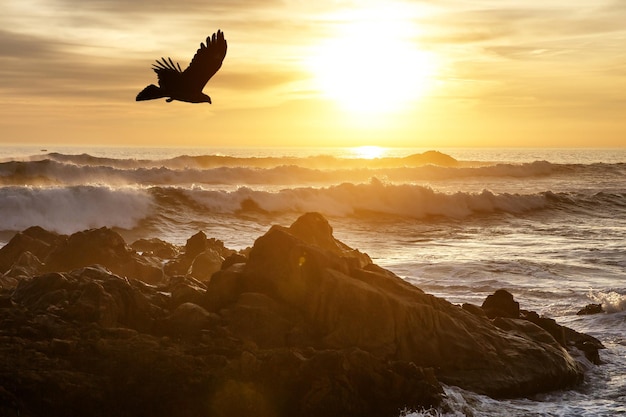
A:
x: 300, y: 325
x: 337, y: 298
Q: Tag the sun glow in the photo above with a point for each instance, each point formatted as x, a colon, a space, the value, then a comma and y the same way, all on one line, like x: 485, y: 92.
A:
x: 373, y: 64
x: 369, y: 152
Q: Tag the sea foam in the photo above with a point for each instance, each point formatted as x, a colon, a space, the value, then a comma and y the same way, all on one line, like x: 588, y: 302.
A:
x: 70, y: 209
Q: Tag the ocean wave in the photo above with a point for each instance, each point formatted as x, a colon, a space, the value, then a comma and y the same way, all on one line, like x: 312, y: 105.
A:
x: 75, y: 207
x: 58, y: 169
x: 611, y: 301
x: 71, y: 209
x: 348, y: 199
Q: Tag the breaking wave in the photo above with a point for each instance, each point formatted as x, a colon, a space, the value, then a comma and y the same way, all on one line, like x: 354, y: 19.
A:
x: 60, y: 169
x: 68, y: 209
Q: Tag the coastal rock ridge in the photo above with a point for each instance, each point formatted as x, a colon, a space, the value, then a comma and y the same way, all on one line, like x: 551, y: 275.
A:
x: 298, y: 324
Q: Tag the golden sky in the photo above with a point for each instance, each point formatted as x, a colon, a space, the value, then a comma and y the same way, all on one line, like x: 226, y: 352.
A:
x: 389, y: 73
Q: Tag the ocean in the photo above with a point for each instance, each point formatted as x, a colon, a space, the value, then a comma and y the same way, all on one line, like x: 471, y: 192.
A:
x: 548, y: 225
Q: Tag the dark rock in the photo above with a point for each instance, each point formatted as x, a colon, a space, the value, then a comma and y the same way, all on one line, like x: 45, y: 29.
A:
x: 224, y: 288
x: 156, y: 247
x: 90, y: 247
x: 206, y: 264
x: 548, y: 324
x: 348, y: 382
x: 88, y: 295
x: 501, y: 304
x: 195, y: 245
x: 26, y: 265
x: 474, y: 309
x: 306, y: 326
x: 35, y: 240
x: 185, y: 289
x: 7, y: 282
x: 589, y: 345
x: 591, y: 309
x: 350, y: 304
x: 235, y: 258
x: 103, y: 247
x: 258, y: 318
x: 187, y: 321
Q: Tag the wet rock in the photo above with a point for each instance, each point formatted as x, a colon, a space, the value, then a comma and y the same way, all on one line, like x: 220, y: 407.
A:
x: 37, y: 241
x: 88, y: 295
x: 302, y: 325
x: 590, y: 309
x: 202, y: 257
x: 185, y: 289
x: 501, y: 304
x: 235, y: 258
x: 348, y: 302
x: 564, y: 336
x: 155, y: 247
x: 103, y: 247
x: 205, y: 264
x: 188, y: 320
x: 224, y: 288
x: 26, y: 265
x: 474, y: 309
x: 195, y: 245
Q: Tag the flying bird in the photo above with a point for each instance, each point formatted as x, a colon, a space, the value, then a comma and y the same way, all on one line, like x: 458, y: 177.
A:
x: 187, y: 85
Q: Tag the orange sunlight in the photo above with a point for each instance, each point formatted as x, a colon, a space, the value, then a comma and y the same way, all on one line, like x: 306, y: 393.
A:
x: 369, y: 152
x: 373, y: 64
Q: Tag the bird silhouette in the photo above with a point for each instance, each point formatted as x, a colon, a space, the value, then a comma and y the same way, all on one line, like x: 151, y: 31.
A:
x: 187, y: 85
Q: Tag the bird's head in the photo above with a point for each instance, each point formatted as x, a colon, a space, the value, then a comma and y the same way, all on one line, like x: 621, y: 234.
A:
x: 196, y: 98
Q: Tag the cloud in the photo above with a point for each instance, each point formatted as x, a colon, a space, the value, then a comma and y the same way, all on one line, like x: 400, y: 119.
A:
x: 18, y: 46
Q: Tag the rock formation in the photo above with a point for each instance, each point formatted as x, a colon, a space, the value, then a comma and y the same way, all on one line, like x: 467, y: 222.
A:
x: 301, y: 324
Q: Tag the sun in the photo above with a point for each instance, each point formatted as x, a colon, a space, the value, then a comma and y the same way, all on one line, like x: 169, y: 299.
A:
x: 373, y: 64
x: 368, y: 152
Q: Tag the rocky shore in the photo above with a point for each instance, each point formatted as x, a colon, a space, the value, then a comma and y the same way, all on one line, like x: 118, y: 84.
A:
x: 300, y: 324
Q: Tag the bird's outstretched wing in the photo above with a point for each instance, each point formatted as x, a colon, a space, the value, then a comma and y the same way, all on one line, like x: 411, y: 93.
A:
x: 206, y: 62
x: 168, y: 73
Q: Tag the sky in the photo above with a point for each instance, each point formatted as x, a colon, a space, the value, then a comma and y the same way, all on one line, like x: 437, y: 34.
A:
x: 434, y: 74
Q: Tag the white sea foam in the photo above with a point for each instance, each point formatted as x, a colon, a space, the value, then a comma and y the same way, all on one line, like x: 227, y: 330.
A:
x: 413, y: 201
x: 612, y: 302
x: 70, y: 209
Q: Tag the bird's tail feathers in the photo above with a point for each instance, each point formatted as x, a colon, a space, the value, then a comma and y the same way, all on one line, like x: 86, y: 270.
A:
x: 151, y: 92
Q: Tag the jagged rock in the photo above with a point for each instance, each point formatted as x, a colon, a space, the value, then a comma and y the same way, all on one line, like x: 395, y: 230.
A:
x: 156, y: 247
x: 590, y: 309
x: 187, y: 321
x: 348, y: 383
x: 185, y: 289
x: 206, y: 264
x: 224, y: 288
x: 26, y: 265
x: 235, y: 258
x: 548, y: 324
x: 305, y: 326
x: 195, y: 245
x: 88, y: 295
x: 258, y: 318
x: 7, y: 282
x: 35, y: 240
x: 201, y: 258
x: 474, y: 309
x: 501, y: 304
x: 350, y: 303
x: 103, y: 247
